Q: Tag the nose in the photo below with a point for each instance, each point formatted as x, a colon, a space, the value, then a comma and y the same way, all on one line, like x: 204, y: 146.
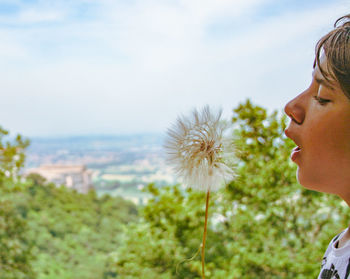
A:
x: 295, y: 109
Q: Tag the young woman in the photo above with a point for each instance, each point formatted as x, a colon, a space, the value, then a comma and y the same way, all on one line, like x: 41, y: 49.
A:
x: 320, y: 127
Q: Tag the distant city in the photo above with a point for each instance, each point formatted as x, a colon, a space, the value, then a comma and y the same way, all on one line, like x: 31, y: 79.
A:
x: 115, y: 165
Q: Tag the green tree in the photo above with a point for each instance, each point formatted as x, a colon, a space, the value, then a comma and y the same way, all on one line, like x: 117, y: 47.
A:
x: 73, y: 233
x: 168, y: 233
x: 70, y: 234
x: 15, y: 248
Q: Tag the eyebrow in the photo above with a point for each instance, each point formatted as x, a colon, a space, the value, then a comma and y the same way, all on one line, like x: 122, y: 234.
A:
x: 324, y: 83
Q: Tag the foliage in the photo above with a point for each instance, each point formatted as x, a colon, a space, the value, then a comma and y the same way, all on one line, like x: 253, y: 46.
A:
x: 169, y: 233
x: 12, y: 155
x: 264, y: 225
x: 15, y: 249
x: 74, y: 233
x: 54, y: 232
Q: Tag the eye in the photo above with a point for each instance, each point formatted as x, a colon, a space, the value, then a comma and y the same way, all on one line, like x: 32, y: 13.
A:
x: 321, y: 101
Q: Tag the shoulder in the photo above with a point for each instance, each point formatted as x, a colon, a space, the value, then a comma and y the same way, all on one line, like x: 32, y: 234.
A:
x: 331, y: 244
x: 336, y: 261
x: 338, y: 236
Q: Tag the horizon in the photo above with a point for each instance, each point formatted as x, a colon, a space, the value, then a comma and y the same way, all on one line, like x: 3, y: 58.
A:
x: 77, y: 136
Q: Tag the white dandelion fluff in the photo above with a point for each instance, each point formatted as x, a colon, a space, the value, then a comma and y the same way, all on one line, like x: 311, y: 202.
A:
x: 197, y: 148
x: 199, y: 152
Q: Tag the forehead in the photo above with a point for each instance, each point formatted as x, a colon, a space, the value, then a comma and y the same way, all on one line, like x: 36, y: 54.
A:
x: 326, y: 76
x: 328, y: 81
x: 323, y: 64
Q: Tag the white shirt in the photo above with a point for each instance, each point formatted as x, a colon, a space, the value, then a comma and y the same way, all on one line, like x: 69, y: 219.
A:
x: 336, y: 261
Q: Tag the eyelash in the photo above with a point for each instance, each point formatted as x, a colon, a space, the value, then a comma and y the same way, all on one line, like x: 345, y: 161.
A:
x: 321, y: 101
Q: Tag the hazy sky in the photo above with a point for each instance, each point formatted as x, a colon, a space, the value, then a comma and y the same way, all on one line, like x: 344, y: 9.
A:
x: 129, y: 66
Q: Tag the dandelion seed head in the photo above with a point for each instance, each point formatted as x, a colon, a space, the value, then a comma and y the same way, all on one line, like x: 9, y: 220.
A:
x: 198, y: 150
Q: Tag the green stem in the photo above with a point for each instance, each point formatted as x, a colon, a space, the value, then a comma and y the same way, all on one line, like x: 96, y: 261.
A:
x: 205, y: 232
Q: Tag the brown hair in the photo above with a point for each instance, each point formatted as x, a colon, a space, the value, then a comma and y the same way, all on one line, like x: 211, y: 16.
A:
x: 336, y: 48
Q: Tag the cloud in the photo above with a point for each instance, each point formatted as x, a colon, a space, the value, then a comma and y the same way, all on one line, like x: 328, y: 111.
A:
x: 119, y: 66
x: 23, y: 14
x: 39, y: 16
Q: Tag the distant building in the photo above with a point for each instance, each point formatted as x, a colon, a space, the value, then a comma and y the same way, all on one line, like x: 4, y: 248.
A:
x: 76, y: 177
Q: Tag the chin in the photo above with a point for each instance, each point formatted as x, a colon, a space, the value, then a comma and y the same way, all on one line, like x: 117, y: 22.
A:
x: 312, y: 182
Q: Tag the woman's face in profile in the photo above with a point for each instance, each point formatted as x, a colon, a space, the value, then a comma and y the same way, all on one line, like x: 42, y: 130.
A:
x: 320, y: 127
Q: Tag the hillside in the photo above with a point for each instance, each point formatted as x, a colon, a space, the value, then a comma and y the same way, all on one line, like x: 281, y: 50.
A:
x: 122, y: 165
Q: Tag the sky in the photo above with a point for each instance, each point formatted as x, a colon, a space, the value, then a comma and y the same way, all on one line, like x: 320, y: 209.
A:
x: 123, y: 67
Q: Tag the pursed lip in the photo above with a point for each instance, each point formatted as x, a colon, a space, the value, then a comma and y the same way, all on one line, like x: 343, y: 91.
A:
x: 295, y: 153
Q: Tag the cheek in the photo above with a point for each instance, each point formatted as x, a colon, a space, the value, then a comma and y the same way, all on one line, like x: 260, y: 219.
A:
x: 325, y: 164
x: 329, y: 137
x: 337, y: 146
